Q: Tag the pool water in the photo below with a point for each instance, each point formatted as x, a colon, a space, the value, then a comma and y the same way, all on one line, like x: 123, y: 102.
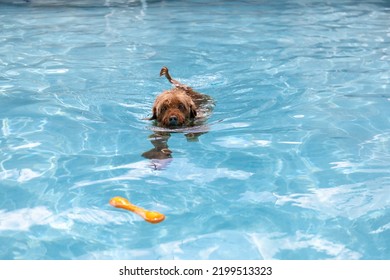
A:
x: 295, y: 163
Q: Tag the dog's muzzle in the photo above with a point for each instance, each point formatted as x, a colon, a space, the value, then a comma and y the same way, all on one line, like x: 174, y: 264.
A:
x: 173, y: 120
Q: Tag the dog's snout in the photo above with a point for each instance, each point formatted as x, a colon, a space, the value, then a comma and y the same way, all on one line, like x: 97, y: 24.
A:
x: 173, y: 120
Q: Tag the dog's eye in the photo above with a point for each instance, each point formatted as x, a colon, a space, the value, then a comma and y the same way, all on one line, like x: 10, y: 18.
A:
x: 181, y: 107
x: 163, y: 109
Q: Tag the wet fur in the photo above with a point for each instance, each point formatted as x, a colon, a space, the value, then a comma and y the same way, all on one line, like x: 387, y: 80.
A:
x: 189, y: 107
x: 175, y: 102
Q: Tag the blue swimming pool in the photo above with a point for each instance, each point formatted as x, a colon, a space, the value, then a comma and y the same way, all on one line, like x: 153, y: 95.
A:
x: 295, y: 164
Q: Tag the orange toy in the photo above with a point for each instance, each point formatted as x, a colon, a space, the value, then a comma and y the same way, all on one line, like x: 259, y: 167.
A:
x: 149, y: 216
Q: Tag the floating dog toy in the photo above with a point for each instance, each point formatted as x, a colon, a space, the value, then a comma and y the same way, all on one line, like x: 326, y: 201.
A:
x: 149, y: 216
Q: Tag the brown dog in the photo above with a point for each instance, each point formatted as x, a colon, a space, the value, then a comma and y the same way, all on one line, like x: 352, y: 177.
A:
x: 177, y: 109
x: 179, y: 106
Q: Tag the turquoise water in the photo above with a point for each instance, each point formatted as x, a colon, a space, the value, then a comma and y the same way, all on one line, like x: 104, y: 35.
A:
x: 295, y: 164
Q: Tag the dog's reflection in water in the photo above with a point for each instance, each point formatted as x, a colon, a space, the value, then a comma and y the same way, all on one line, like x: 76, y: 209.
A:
x: 160, y: 155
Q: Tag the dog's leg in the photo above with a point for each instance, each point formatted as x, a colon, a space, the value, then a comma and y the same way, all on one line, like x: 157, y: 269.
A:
x: 193, y: 136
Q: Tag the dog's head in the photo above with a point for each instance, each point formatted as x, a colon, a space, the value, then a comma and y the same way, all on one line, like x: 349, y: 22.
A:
x: 173, y: 108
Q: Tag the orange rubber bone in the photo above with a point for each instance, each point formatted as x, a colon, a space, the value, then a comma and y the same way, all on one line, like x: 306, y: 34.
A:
x: 149, y: 216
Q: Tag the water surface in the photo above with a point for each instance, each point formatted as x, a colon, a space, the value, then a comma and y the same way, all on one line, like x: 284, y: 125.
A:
x: 295, y: 164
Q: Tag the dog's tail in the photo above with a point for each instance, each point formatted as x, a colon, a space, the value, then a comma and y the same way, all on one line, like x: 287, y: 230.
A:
x: 164, y: 71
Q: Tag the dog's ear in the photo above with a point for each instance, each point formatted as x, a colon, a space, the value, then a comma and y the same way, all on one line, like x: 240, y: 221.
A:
x: 154, y: 116
x: 192, y: 112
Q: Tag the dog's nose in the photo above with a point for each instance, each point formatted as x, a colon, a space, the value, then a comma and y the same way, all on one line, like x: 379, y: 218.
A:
x: 173, y: 120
